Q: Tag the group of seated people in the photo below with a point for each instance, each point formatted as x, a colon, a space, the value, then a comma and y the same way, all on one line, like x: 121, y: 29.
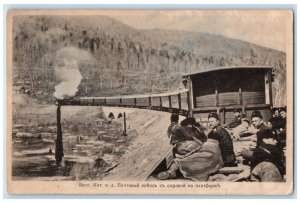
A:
x: 199, y: 154
x: 267, y: 158
x: 240, y: 126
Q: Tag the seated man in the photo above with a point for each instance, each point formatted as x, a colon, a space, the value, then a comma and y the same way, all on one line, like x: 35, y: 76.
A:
x: 224, y: 139
x: 237, y: 119
x: 282, y: 113
x: 257, y: 125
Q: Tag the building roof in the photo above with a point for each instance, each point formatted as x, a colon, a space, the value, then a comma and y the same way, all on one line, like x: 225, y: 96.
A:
x: 226, y: 68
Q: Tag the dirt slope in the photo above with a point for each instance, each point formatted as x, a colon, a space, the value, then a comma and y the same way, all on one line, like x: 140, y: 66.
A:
x: 149, y: 147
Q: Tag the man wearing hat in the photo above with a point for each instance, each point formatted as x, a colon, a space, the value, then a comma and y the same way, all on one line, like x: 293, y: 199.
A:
x: 282, y: 112
x: 258, y: 124
x: 275, y: 112
x: 222, y: 136
x: 237, y: 119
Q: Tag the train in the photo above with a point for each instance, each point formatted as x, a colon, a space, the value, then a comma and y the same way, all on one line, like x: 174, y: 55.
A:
x: 219, y: 90
x: 175, y: 102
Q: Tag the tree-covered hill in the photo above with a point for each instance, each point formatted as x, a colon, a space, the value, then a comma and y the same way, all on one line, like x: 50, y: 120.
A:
x: 126, y: 60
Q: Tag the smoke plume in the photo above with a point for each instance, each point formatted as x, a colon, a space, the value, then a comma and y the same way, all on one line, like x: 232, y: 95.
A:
x: 68, y: 60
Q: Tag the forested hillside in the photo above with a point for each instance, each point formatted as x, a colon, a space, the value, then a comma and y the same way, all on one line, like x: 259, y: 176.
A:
x: 126, y: 60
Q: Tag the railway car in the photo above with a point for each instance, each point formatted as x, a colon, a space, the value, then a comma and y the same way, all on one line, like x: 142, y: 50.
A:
x: 156, y: 102
x: 99, y: 101
x: 87, y: 101
x: 143, y: 101
x: 224, y: 89
x: 128, y: 101
x: 113, y: 101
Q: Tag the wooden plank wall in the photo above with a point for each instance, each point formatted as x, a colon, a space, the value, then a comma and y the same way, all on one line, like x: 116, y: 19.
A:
x: 230, y: 98
x: 206, y: 101
x: 253, y: 97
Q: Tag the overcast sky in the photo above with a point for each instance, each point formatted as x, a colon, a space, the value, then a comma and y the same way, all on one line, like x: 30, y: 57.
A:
x: 266, y: 28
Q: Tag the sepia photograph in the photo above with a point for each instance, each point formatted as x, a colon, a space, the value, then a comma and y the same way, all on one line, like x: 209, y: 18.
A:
x: 150, y: 102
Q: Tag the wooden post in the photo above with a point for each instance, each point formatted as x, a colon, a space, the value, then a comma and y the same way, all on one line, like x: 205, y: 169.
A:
x: 160, y: 102
x: 59, y: 150
x: 124, y: 122
x: 170, y: 101
x: 179, y: 101
x: 120, y: 100
x: 134, y: 100
x: 188, y: 101
x: 149, y: 101
x: 240, y: 97
x: 190, y: 96
x: 217, y: 97
x: 270, y: 87
x: 224, y: 116
x: 267, y: 87
x: 32, y: 82
x: 125, y: 130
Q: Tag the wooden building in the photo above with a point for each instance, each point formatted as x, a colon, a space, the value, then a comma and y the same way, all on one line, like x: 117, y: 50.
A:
x: 223, y: 89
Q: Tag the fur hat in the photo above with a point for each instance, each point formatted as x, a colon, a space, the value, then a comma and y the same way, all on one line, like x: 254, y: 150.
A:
x: 213, y: 115
x: 256, y: 114
x: 174, y: 117
x: 282, y: 109
x: 246, y: 120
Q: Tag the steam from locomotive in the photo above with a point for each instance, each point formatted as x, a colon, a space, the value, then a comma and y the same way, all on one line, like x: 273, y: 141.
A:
x: 67, y: 71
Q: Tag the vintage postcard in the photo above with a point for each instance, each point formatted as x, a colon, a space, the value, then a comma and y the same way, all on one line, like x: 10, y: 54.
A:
x: 150, y: 102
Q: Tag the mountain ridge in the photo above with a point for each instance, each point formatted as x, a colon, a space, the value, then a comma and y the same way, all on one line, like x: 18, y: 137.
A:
x: 128, y: 60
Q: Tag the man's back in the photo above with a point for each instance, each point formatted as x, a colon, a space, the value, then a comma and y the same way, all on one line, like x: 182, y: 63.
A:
x: 196, y: 132
x: 177, y: 133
